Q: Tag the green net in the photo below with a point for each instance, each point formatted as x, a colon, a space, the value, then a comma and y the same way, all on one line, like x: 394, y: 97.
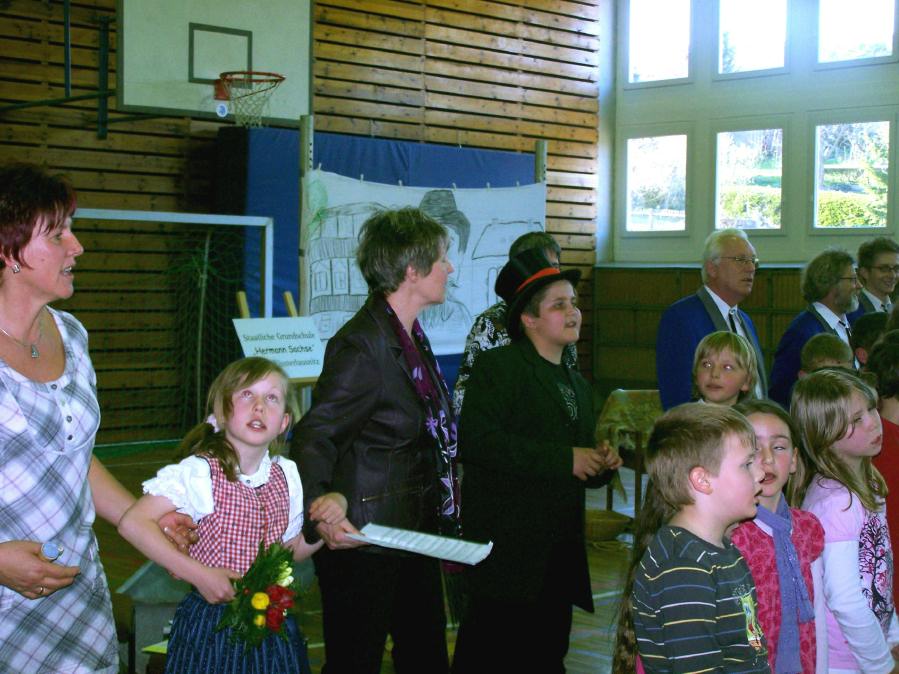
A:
x: 157, y: 300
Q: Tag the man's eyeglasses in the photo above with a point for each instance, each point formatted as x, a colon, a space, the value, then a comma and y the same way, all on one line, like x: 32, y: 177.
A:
x: 887, y: 269
x: 742, y: 260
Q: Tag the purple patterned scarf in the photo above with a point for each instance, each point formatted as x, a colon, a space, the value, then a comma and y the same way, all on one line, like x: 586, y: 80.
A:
x: 439, y: 421
x: 795, y: 605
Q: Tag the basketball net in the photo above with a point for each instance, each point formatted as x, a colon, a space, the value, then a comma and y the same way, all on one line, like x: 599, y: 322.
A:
x: 249, y: 92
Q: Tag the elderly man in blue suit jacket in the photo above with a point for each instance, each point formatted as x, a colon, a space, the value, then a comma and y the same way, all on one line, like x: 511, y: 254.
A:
x: 831, y: 287
x: 728, y: 271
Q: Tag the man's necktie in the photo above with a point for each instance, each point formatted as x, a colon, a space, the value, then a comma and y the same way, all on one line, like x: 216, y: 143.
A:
x: 846, y: 328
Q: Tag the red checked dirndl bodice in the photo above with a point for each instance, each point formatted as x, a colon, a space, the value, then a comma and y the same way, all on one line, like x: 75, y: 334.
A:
x: 243, y: 516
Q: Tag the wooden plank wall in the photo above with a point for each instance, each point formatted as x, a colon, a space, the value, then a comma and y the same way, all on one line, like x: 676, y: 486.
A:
x: 478, y: 73
x: 629, y: 303
x: 123, y: 297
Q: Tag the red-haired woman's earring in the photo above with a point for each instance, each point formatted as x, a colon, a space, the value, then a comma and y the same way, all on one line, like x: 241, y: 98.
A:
x: 16, y: 268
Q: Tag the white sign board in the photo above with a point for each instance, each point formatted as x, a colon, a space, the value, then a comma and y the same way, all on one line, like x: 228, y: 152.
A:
x: 292, y: 343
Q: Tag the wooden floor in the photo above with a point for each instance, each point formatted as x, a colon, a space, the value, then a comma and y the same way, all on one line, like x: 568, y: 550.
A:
x: 591, y: 635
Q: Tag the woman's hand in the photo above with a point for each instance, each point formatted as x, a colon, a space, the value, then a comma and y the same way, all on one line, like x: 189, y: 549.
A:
x: 179, y: 529
x: 214, y: 583
x: 24, y: 569
x: 335, y: 535
x: 329, y: 508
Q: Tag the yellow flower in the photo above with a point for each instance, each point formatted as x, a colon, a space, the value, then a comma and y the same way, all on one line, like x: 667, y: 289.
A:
x: 260, y: 601
x: 259, y: 619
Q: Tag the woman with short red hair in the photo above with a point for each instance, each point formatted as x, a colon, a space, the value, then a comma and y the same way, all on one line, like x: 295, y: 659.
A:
x: 54, y: 598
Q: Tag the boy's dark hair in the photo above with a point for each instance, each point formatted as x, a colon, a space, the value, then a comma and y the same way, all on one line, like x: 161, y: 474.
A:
x: 531, y: 240
x: 883, y: 363
x: 821, y: 348
x: 869, y: 250
x: 867, y: 329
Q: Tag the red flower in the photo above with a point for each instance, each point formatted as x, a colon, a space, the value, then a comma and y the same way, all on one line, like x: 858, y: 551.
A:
x: 274, y: 616
x: 280, y: 597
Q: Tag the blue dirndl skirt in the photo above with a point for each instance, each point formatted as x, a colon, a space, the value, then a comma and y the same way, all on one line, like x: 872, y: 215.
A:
x: 195, y: 647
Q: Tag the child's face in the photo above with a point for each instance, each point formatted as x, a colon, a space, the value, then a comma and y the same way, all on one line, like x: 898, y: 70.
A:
x: 720, y: 379
x: 777, y: 456
x: 736, y: 486
x: 258, y: 415
x: 864, y: 435
x: 559, y: 322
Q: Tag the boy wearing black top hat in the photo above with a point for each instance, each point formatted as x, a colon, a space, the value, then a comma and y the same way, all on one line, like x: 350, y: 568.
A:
x: 527, y: 446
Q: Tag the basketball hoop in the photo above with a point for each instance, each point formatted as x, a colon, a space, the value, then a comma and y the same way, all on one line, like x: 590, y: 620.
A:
x: 249, y: 92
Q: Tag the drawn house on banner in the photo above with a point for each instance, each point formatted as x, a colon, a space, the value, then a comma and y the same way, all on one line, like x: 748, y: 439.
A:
x: 479, y: 240
x: 337, y: 289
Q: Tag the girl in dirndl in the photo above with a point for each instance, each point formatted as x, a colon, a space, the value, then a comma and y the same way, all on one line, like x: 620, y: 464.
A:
x: 240, y: 492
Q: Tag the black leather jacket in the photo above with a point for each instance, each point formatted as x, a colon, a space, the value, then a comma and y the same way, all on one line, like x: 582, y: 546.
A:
x: 365, y: 436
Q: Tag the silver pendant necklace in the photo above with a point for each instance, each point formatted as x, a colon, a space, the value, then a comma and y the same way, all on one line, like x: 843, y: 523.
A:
x: 32, y: 346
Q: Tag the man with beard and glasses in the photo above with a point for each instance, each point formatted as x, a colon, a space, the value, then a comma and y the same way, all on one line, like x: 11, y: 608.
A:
x: 830, y: 286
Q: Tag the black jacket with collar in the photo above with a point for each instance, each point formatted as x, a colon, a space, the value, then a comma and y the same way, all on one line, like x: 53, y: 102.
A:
x: 365, y: 433
x: 518, y: 490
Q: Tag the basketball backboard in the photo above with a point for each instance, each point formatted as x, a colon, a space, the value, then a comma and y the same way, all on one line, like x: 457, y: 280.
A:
x: 171, y: 51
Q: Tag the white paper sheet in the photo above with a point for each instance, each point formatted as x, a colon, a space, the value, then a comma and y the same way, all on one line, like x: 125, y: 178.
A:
x: 441, y: 547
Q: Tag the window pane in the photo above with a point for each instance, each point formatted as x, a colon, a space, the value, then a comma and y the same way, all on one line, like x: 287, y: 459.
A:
x: 751, y: 35
x: 656, y: 183
x: 659, y: 40
x: 854, y: 29
x: 851, y: 166
x: 749, y: 179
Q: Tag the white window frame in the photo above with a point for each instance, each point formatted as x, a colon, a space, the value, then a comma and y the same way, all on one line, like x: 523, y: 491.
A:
x: 649, y: 131
x: 852, y: 116
x: 866, y: 61
x: 782, y: 122
x: 796, y: 99
x: 766, y: 72
x: 624, y: 55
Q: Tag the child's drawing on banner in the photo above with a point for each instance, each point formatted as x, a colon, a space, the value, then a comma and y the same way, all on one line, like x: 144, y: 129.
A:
x: 482, y: 224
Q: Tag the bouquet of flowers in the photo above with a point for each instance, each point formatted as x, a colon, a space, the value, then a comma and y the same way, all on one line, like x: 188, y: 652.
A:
x: 261, y: 597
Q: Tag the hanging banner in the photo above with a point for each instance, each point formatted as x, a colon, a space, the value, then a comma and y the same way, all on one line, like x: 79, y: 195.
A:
x: 482, y: 224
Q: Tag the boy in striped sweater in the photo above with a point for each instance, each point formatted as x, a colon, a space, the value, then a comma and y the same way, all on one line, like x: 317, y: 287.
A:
x: 693, y: 601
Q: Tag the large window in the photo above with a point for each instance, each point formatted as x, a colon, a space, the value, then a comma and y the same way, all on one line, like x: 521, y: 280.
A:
x: 656, y: 183
x: 851, y: 174
x: 751, y: 35
x: 749, y: 173
x: 855, y: 29
x: 660, y: 40
x: 775, y: 116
